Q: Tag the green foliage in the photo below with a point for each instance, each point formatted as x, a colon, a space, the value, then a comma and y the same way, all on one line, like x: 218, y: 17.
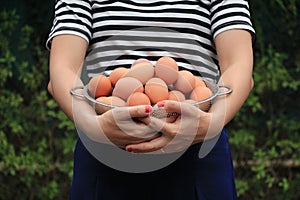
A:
x: 265, y: 139
x: 36, y: 138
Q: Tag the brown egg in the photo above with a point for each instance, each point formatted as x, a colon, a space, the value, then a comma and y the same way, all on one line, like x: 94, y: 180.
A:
x: 157, y: 90
x: 116, y: 74
x: 111, y: 100
x: 99, y: 86
x: 199, y: 81
x: 138, y: 98
x: 142, y: 71
x: 185, y: 82
x: 140, y: 60
x: 126, y: 86
x: 166, y: 68
x: 201, y: 93
x: 176, y: 95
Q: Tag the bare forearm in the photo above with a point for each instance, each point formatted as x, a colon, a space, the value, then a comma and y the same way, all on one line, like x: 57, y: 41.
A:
x: 236, y: 64
x: 61, y: 83
x: 242, y: 85
x: 66, y: 58
x: 77, y: 109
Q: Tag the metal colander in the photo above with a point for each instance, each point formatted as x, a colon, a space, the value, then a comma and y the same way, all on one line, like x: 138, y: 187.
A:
x: 158, y: 112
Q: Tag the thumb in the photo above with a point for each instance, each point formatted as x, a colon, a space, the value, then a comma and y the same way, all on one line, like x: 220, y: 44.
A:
x: 182, y: 108
x: 132, y: 111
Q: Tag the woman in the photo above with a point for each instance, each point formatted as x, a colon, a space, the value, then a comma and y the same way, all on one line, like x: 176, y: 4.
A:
x: 210, y: 38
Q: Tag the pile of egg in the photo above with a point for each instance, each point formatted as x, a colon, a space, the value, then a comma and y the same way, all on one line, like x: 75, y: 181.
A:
x: 146, y: 84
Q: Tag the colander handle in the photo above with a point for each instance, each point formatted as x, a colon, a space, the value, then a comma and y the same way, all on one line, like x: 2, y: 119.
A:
x: 227, y: 91
x: 73, y: 91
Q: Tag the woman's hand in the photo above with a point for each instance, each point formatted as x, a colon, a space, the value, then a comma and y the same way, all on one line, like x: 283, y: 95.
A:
x: 119, y: 126
x: 191, y: 126
x: 234, y: 48
x: 122, y: 126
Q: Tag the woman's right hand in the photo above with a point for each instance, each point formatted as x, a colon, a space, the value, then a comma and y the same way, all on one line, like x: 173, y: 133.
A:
x: 121, y: 125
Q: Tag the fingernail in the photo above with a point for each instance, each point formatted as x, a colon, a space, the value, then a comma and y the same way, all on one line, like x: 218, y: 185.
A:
x: 148, y: 109
x: 161, y: 104
x: 129, y: 149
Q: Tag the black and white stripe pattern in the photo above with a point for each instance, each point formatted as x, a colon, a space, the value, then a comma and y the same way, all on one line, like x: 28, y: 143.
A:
x: 72, y: 17
x: 120, y: 32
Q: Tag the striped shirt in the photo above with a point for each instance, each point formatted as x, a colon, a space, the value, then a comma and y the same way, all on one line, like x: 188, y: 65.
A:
x: 119, y: 32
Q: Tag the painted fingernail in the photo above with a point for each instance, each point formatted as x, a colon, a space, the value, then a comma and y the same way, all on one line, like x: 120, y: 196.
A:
x: 161, y: 104
x: 129, y: 149
x: 148, y: 109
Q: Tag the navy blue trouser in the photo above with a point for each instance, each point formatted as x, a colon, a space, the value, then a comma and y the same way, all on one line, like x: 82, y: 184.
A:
x: 188, y: 178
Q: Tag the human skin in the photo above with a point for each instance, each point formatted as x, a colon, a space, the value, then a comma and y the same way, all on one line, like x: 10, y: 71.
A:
x: 235, y: 54
x: 234, y: 48
x: 66, y: 58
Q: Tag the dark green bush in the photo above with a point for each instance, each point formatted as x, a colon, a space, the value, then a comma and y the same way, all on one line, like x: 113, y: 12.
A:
x: 265, y: 135
x: 36, y: 139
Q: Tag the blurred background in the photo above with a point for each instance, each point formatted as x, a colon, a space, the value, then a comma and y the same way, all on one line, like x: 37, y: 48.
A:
x: 37, y: 139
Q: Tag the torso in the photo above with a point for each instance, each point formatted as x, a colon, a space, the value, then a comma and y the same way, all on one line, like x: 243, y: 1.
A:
x: 124, y: 31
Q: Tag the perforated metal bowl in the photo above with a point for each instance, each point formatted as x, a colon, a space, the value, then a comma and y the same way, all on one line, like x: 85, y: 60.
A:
x: 157, y: 112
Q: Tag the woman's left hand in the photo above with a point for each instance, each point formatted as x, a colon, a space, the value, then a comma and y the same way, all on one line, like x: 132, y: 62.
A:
x: 190, y: 127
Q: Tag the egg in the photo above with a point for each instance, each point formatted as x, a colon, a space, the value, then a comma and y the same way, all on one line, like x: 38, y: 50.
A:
x: 201, y: 93
x: 110, y: 101
x: 157, y: 90
x: 199, y: 81
x: 138, y: 98
x: 166, y: 69
x: 116, y: 74
x: 126, y: 86
x: 99, y: 86
x: 176, y: 95
x: 142, y: 71
x: 140, y: 60
x: 185, y: 82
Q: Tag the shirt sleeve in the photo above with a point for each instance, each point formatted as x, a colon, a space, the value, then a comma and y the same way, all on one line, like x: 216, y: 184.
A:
x: 230, y: 14
x: 71, y: 17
